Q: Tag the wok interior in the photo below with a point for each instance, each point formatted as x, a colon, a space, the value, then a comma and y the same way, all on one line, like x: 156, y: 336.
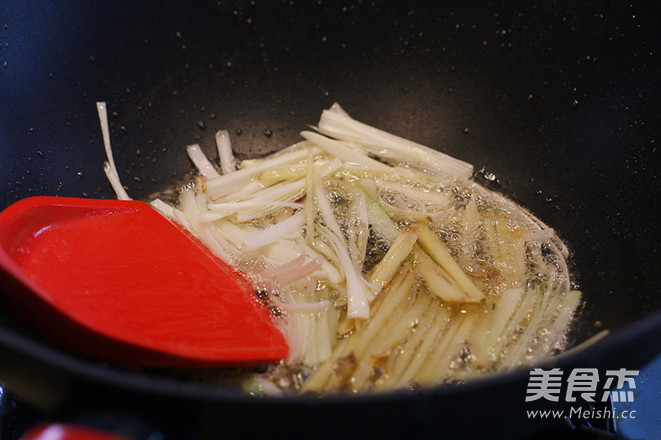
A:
x: 543, y: 98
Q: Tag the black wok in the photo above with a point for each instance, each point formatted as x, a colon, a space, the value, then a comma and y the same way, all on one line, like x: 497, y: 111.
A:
x: 559, y: 101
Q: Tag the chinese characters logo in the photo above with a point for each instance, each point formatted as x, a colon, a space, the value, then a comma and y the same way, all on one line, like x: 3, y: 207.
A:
x: 583, y: 383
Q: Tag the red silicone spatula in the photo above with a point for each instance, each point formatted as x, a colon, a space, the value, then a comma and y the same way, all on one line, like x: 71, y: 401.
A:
x: 117, y: 281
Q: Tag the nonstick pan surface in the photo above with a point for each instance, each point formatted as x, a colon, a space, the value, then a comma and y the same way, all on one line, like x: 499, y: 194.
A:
x: 555, y: 104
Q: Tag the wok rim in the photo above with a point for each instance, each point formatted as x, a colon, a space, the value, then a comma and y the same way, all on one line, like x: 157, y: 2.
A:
x: 124, y: 380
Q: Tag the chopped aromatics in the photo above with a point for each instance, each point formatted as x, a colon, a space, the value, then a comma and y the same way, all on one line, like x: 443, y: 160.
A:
x: 109, y: 167
x: 383, y: 263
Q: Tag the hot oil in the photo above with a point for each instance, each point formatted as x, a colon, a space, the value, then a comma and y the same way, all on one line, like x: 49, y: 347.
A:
x: 424, y: 340
x: 495, y: 245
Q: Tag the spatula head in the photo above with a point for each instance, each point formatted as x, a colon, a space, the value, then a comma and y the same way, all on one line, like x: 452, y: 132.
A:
x: 117, y: 281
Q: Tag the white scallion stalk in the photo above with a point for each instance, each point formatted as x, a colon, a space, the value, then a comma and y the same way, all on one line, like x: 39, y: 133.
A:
x: 292, y: 172
x: 357, y: 293
x: 302, y: 145
x: 281, y: 251
x: 336, y: 108
x: 281, y: 192
x: 113, y: 178
x: 227, y: 161
x: 276, y: 232
x: 201, y: 161
x: 222, y: 210
x: 232, y: 233
x: 163, y: 208
x: 346, y: 153
x: 327, y: 270
x: 183, y: 221
x: 283, y: 268
x: 261, y: 202
x: 109, y: 167
x: 170, y: 212
x: 326, y: 168
x: 229, y: 183
x: 245, y: 192
x: 298, y: 273
x: 340, y: 125
x: 191, y: 209
x: 419, y: 196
